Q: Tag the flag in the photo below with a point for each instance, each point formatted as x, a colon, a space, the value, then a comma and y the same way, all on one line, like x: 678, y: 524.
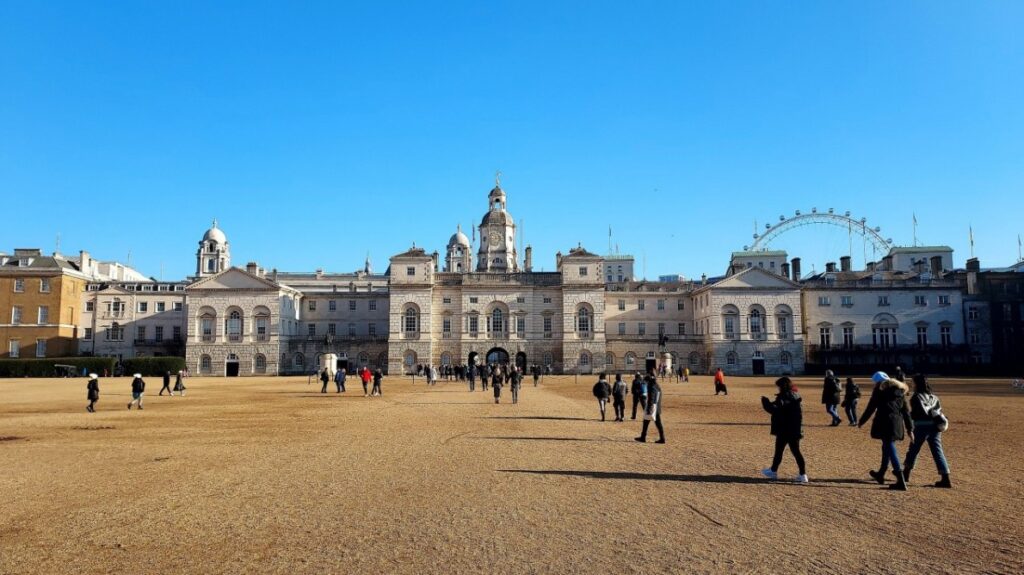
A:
x: 609, y: 231
x: 915, y: 219
x: 970, y: 234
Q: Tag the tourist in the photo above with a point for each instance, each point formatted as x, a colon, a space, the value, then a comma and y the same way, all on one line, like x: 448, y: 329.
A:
x: 892, y: 421
x: 364, y: 375
x: 167, y: 385
x: 720, y: 382
x: 830, y: 393
x: 472, y: 377
x: 602, y: 391
x: 325, y: 377
x: 496, y: 386
x: 536, y: 374
x: 686, y: 375
x: 619, y: 391
x: 516, y: 380
x: 92, y: 392
x: 429, y: 373
x: 339, y: 380
x: 929, y: 423
x: 138, y: 387
x: 899, y: 374
x: 179, y: 384
x: 639, y: 391
x: 850, y: 400
x: 787, y: 427
x: 653, y: 410
x: 378, y: 375
x: 485, y: 375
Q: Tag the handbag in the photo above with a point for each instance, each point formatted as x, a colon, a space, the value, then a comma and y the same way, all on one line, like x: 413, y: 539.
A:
x: 940, y: 419
x: 652, y: 412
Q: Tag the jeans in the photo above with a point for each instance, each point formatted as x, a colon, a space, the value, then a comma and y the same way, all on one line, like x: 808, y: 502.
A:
x: 620, y: 408
x: 657, y: 424
x: 794, y: 447
x: 890, y: 455
x: 515, y: 395
x: 926, y: 431
x: 851, y: 411
x: 640, y: 400
x: 602, y: 404
x: 831, y: 409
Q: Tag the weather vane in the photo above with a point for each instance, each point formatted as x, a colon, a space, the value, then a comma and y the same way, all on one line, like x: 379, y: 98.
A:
x: 497, y: 178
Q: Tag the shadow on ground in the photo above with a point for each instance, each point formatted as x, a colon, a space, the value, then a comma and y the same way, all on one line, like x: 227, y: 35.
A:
x: 684, y: 478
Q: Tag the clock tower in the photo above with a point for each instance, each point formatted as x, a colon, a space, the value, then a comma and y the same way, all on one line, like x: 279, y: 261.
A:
x: 497, y: 251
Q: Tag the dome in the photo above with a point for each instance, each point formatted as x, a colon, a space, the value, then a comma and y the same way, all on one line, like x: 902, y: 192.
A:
x: 499, y: 217
x: 459, y: 238
x: 215, y: 234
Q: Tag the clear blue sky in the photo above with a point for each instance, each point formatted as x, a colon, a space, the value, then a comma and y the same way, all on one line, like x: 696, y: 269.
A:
x: 318, y: 132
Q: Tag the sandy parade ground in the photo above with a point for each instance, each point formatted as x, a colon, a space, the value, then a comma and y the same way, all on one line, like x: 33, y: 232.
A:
x: 267, y: 475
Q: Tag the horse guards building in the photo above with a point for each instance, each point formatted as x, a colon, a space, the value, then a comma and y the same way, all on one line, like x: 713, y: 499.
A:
x: 488, y: 304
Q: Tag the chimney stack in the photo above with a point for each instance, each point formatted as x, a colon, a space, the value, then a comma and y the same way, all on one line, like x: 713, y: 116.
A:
x: 974, y: 265
x: 785, y: 270
x: 796, y: 269
x: 887, y: 263
x: 84, y: 262
x: 253, y: 268
x: 973, y: 268
x: 870, y: 266
x: 936, y: 262
x: 830, y: 267
x: 846, y: 263
x: 528, y: 262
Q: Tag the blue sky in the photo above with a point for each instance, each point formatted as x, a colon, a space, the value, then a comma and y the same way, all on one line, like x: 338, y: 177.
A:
x: 319, y: 132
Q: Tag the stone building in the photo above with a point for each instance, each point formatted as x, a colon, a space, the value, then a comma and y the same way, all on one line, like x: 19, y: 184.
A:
x: 133, y: 319
x: 645, y: 320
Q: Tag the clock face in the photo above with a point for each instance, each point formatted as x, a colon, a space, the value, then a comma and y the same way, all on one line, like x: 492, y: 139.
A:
x: 495, y: 238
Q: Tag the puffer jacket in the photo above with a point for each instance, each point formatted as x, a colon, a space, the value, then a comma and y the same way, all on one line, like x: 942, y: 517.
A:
x: 892, y: 421
x: 787, y: 415
x: 831, y: 390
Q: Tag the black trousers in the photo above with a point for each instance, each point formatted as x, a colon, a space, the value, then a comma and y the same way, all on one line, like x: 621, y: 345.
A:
x: 794, y: 446
x: 657, y: 424
x: 166, y: 386
x: 639, y: 400
x: 620, y: 408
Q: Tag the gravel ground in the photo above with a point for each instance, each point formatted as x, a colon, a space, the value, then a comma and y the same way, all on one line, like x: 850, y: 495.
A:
x: 266, y: 475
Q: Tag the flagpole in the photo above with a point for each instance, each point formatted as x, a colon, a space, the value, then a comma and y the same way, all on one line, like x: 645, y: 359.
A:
x: 915, y: 230
x: 970, y: 234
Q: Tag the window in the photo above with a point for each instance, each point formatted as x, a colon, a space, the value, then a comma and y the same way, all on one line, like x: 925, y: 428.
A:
x: 622, y: 305
x: 373, y: 304
x: 520, y: 299
x: 351, y: 330
x: 583, y: 271
x: 311, y: 329
x: 143, y: 307
x: 446, y: 300
x: 332, y: 329
x: 90, y: 306
x: 975, y: 338
x: 584, y: 359
x: 40, y: 348
x: 474, y: 300
x: 946, y: 336
x: 730, y: 327
x: 972, y: 313
x: 206, y: 324
x: 786, y: 358
x: 730, y: 358
x: 176, y: 333
x: 922, y: 336
x: 681, y: 328
x: 640, y: 304
x: 115, y: 332
x: 299, y: 361
x: 312, y: 305
x: 641, y: 328
x: 1007, y: 311
x: 44, y: 315
x: 630, y: 360
x: 848, y: 337
x: 497, y: 321
x: 755, y: 323
x: 446, y: 325
x: 583, y: 320
x: 410, y: 321
x: 825, y: 337
x: 88, y: 333
x: 44, y: 285
x: 547, y: 300
x: 622, y: 328
x: 16, y: 315
x: 19, y: 285
x: 883, y: 337
x: 782, y: 326
x: 410, y: 271
x: 332, y: 305
x: 661, y: 329
x: 205, y: 364
x: 140, y: 333
x: 161, y: 306
x: 824, y: 301
x: 680, y: 305
x: 351, y: 305
x: 234, y: 327
x: 372, y: 329
x: 260, y: 363
x: 474, y: 324
x: 920, y: 300
x: 14, y: 348
x: 159, y: 333
x: 883, y: 301
x: 847, y: 301
x: 547, y: 326
x: 943, y: 300
x: 177, y: 306
x: 521, y: 326
x: 661, y: 305
x: 261, y: 328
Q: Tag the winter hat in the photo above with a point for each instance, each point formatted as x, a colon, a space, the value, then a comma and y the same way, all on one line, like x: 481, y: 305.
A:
x: 93, y: 376
x: 137, y: 375
x: 879, y: 377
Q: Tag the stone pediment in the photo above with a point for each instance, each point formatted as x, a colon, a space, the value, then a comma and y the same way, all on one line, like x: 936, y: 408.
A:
x: 756, y: 278
x: 234, y: 279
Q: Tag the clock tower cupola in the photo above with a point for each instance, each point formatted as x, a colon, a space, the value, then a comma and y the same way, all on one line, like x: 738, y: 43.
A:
x: 497, y: 251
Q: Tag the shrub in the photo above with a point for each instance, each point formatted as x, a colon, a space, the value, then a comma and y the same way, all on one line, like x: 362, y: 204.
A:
x: 46, y: 367
x: 152, y: 366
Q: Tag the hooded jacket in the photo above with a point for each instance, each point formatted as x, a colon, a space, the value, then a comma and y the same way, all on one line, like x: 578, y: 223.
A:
x: 892, y: 421
x: 602, y: 390
x: 830, y: 392
x: 787, y: 414
x: 92, y: 390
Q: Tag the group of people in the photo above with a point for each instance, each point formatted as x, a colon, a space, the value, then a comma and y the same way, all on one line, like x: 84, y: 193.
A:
x: 364, y: 374
x: 646, y: 393
x: 92, y: 389
x: 896, y: 413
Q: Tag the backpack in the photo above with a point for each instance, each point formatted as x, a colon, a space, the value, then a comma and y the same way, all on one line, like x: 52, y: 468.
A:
x: 597, y: 390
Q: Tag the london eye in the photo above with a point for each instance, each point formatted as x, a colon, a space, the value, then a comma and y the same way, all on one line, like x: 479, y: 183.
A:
x: 870, y: 236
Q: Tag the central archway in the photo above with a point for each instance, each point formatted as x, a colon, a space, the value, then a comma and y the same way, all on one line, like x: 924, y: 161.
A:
x: 498, y: 356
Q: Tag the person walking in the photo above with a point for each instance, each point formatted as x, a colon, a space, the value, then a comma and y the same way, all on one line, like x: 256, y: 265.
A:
x: 686, y: 375
x: 516, y: 379
x: 378, y: 376
x: 850, y: 400
x: 602, y: 391
x: 339, y: 380
x: 536, y: 374
x: 485, y: 374
x: 92, y: 392
x: 787, y: 427
x: 653, y: 410
x: 472, y: 377
x: 325, y: 378
x: 830, y: 393
x: 179, y: 384
x: 892, y: 422
x: 364, y: 375
x: 929, y: 423
x: 167, y: 385
x: 720, y: 382
x: 619, y: 391
x: 138, y: 387
x: 899, y: 374
x: 639, y: 391
x: 496, y: 385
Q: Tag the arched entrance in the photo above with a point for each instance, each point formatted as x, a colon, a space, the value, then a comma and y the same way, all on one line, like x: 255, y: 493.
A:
x: 231, y: 365
x: 472, y: 358
x: 521, y: 361
x: 758, y: 363
x: 497, y: 355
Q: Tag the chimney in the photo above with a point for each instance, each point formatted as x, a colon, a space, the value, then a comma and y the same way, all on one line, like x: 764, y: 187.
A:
x: 273, y: 275
x: 973, y: 268
x: 887, y: 264
x: 434, y: 257
x: 785, y: 269
x: 830, y: 267
x: 845, y: 263
x: 558, y: 260
x: 84, y: 262
x: 974, y: 265
x: 796, y: 269
x: 252, y: 268
x: 936, y: 266
x: 870, y: 266
x: 528, y: 263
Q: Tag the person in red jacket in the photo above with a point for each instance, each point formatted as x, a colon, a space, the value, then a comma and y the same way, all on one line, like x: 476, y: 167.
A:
x: 365, y: 376
x: 720, y: 383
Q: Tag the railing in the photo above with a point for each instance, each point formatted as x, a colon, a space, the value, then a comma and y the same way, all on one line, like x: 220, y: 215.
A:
x: 208, y: 338
x: 114, y: 315
x: 235, y: 338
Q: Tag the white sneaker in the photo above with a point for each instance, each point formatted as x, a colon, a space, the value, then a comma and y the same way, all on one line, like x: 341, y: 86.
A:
x: 801, y: 479
x: 769, y: 473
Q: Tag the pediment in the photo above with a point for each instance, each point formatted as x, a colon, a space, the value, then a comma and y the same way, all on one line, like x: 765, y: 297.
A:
x: 756, y: 278
x: 234, y: 279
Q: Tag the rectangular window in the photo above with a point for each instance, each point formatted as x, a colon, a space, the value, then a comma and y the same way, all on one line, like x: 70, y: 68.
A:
x: 332, y: 329
x: 16, y: 315
x: 373, y: 304
x: 680, y: 305
x: 351, y: 330
x: 90, y: 306
x: 161, y: 306
x: 547, y: 300
x: 661, y: 329
x: 143, y: 307
x: 159, y: 333
x: 824, y: 301
x: 946, y: 336
x: 351, y: 305
x: 622, y: 305
x: 640, y: 304
x: 521, y: 326
x: 474, y: 300
x: 87, y: 334
x: 44, y: 285
x: 19, y: 285
x: 975, y: 338
x: 641, y: 328
x: 311, y: 329
x: 547, y: 326
x: 825, y: 337
x: 410, y: 271
x: 920, y: 300
x: 176, y: 333
x: 847, y: 300
x: 583, y: 271
x: 782, y: 326
x: 922, y: 336
x: 446, y: 325
x: 446, y: 300
x: 661, y: 305
x: 332, y: 305
x: 177, y: 306
x: 40, y: 348
x: 943, y: 300
x: 848, y: 337
x: 14, y: 348
x: 474, y: 324
x: 261, y: 329
x: 883, y: 301
x: 622, y: 328
x: 372, y: 329
x: 1007, y: 311
x: 681, y: 328
x: 312, y: 305
x: 140, y: 333
x: 972, y: 313
x: 44, y: 315
x: 520, y: 299
x: 730, y: 327
x: 883, y: 337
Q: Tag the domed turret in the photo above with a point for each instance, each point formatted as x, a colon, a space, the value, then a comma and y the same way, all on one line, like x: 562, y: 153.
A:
x: 215, y: 234
x: 458, y: 238
x: 459, y: 258
x: 214, y: 255
x: 497, y: 251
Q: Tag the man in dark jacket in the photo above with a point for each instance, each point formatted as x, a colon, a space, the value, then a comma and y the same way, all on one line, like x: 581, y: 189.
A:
x: 602, y: 391
x: 325, y: 378
x: 92, y: 392
x: 830, y: 392
x: 619, y: 392
x: 138, y: 387
x: 787, y: 427
x: 339, y: 380
x: 167, y: 385
x: 472, y: 377
x: 516, y: 379
x: 891, y: 423
x: 639, y: 391
x: 652, y: 412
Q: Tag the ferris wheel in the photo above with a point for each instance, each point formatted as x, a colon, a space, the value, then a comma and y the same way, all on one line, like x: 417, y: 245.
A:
x: 870, y: 235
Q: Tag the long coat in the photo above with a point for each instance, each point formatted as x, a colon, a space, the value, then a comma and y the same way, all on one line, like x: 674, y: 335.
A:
x: 787, y: 415
x: 831, y: 390
x: 892, y: 421
x: 92, y: 390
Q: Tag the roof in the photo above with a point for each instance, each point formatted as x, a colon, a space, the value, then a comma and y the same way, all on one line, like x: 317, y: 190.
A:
x: 215, y: 234
x: 458, y: 238
x: 38, y: 263
x: 500, y: 217
x: 413, y: 252
x: 759, y: 253
x: 581, y: 252
x: 919, y: 249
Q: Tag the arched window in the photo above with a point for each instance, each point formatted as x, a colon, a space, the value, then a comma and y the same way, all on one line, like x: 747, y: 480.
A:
x: 755, y: 322
x: 446, y: 359
x: 630, y: 360
x: 694, y: 361
x: 299, y: 361
x: 548, y: 358
x: 497, y: 321
x: 583, y: 320
x: 259, y: 363
x: 730, y: 318
x: 584, y: 359
x: 411, y: 324
x: 363, y: 359
x: 205, y: 364
x: 730, y: 358
x: 233, y: 326
x: 786, y: 358
x: 609, y: 360
x: 410, y: 359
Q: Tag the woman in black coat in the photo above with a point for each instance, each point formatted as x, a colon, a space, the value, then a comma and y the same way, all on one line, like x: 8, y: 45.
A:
x: 830, y: 393
x: 92, y: 392
x: 787, y: 427
x: 892, y: 422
